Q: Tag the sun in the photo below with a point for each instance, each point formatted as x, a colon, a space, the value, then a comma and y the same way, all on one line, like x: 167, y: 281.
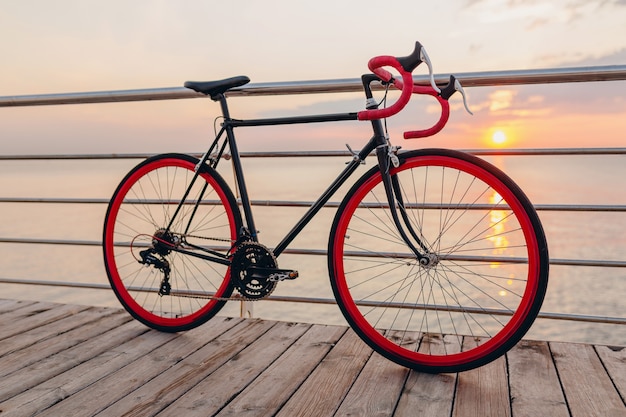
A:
x: 498, y: 137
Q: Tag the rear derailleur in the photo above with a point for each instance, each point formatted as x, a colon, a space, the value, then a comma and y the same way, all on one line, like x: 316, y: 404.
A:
x: 162, y: 242
x: 151, y: 257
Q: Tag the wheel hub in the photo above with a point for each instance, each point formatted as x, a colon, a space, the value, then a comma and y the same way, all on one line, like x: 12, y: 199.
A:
x: 163, y: 241
x: 429, y: 261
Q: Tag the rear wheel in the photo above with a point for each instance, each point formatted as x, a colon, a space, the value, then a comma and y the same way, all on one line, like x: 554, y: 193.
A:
x: 486, y: 278
x: 154, y: 280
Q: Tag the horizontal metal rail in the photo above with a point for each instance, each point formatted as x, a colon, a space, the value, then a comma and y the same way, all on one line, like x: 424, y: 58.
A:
x: 609, y: 208
x: 317, y: 154
x: 469, y: 79
x: 332, y: 301
x: 333, y: 204
x: 323, y: 252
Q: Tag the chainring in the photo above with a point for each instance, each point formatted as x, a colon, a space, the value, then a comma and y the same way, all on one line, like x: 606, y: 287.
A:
x: 246, y: 255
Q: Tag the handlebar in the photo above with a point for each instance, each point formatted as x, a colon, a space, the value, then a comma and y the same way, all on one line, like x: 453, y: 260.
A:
x: 376, y: 66
x: 405, y: 66
x: 443, y: 118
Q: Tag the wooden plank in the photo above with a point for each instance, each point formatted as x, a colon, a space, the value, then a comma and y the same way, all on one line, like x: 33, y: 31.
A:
x: 214, y: 392
x: 535, y: 387
x: 483, y: 391
x: 25, y: 357
x: 71, y: 360
x: 100, y: 395
x: 614, y: 360
x: 65, y: 324
x: 587, y: 387
x: 12, y: 305
x: 430, y: 394
x: 104, y: 364
x: 322, y: 392
x: 276, y: 384
x: 22, y: 310
x: 54, y: 359
x: 92, y: 361
x: 36, y: 315
x: 377, y: 389
x: 170, y: 385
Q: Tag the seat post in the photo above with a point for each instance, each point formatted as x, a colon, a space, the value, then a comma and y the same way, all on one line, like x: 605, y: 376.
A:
x: 223, y: 105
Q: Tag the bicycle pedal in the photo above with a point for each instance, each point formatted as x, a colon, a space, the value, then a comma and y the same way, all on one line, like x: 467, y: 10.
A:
x: 272, y: 274
x: 283, y: 275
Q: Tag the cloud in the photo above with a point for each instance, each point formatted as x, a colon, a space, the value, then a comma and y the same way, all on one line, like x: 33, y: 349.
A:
x: 615, y: 57
x: 537, y: 23
x: 501, y: 99
x: 539, y: 12
x: 584, y: 59
x: 512, y: 102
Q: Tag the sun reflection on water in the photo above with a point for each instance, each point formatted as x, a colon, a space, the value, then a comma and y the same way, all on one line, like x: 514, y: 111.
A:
x: 497, y: 225
x: 497, y: 234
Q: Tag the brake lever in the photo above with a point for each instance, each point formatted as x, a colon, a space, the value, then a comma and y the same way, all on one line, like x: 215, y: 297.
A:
x: 452, y: 87
x: 425, y: 58
x: 458, y: 87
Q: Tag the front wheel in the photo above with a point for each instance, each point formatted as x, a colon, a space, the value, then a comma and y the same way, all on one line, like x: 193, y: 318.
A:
x: 486, y: 278
x: 152, y: 268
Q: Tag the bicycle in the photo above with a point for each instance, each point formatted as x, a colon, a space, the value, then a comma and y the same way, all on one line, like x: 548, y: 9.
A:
x: 436, y: 258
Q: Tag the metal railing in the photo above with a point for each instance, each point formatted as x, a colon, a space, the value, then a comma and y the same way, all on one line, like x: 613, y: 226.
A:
x: 470, y: 79
x: 586, y: 74
x: 317, y: 252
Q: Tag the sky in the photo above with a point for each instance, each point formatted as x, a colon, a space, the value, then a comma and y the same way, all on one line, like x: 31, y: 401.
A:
x: 85, y: 45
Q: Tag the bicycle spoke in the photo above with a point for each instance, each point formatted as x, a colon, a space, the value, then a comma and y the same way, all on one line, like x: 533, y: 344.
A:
x: 482, y: 280
x: 155, y: 282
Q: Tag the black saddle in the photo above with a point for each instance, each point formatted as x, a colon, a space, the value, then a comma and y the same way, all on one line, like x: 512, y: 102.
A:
x: 216, y: 88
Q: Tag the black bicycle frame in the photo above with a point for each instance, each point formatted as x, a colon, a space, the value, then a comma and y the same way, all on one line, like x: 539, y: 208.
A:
x: 377, y: 142
x: 230, y: 124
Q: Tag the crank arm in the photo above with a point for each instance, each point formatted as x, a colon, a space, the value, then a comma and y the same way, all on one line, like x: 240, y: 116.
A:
x: 272, y: 274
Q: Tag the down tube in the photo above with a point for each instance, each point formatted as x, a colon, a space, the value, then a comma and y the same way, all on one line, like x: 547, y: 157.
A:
x: 323, y: 199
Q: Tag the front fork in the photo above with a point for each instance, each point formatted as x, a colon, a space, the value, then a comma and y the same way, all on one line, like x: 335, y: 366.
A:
x: 387, y: 160
x: 387, y: 157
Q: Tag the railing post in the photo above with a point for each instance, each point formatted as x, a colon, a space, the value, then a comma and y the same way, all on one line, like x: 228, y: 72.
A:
x: 247, y: 309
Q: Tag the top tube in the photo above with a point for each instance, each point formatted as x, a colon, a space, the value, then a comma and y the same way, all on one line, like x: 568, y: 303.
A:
x: 322, y: 118
x: 402, y: 65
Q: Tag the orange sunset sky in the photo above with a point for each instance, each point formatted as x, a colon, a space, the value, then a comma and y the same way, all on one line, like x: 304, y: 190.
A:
x: 75, y: 46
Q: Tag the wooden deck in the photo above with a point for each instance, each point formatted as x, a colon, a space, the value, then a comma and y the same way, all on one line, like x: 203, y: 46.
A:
x: 68, y: 360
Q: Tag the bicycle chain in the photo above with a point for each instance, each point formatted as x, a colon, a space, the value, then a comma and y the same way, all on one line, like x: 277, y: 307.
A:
x: 216, y: 239
x: 240, y: 296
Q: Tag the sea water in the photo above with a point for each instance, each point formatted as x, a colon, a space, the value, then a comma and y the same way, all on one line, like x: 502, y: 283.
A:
x: 545, y: 179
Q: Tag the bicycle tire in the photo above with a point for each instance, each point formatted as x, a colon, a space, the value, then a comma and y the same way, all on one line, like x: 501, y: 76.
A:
x: 139, y: 210
x: 489, y: 270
